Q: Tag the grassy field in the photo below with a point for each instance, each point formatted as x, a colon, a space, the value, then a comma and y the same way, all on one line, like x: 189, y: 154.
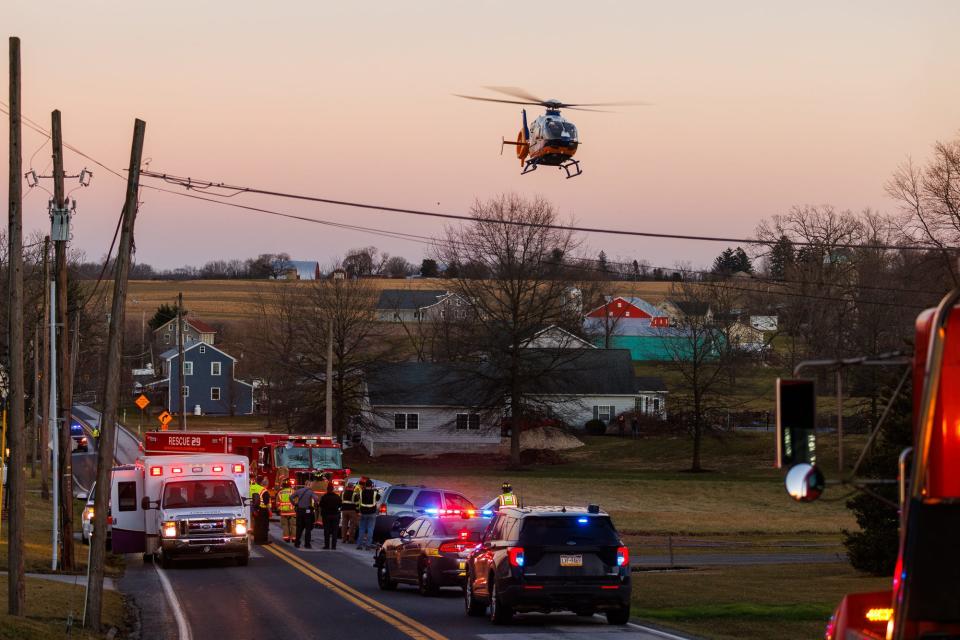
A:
x: 233, y: 300
x: 51, y: 604
x: 738, y: 507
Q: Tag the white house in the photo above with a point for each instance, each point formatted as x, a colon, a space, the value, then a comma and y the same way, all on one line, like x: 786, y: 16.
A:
x: 425, y: 407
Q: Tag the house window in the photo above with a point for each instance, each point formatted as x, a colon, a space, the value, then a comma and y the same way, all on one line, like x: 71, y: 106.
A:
x: 656, y: 406
x: 186, y: 391
x: 214, y: 393
x: 406, y: 421
x: 603, y: 412
x: 166, y: 338
x: 627, y: 313
x: 214, y: 368
x: 468, y: 421
x: 203, y: 349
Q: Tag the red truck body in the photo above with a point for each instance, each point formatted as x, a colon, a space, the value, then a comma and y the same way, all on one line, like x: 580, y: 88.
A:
x: 924, y: 601
x: 271, y: 455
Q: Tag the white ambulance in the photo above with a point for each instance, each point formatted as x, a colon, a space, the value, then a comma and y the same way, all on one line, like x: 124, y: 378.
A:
x: 182, y: 506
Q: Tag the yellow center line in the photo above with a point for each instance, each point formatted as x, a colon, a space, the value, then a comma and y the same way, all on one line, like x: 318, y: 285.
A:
x: 405, y: 624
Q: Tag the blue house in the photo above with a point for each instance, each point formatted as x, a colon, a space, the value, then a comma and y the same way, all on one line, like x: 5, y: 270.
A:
x: 209, y: 379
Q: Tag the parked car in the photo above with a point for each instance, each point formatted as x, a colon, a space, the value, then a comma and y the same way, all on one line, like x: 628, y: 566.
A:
x: 81, y: 443
x: 428, y: 552
x: 549, y: 559
x: 400, y: 504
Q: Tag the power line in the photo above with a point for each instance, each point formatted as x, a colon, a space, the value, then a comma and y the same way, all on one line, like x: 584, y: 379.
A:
x: 191, y: 183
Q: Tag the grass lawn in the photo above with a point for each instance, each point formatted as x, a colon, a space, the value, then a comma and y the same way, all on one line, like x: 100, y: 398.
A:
x: 738, y: 507
x: 50, y: 604
x: 757, y: 602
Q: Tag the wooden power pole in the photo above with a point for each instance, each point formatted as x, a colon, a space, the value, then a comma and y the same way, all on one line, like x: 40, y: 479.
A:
x: 108, y: 418
x: 45, y: 386
x: 182, y: 381
x: 65, y: 392
x: 17, y: 595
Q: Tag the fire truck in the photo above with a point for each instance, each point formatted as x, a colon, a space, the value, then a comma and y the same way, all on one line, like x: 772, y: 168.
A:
x: 270, y: 455
x: 923, y: 602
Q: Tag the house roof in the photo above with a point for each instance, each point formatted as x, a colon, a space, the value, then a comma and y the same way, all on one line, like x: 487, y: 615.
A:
x: 396, y: 299
x: 631, y: 327
x: 199, y: 325
x: 170, y: 354
x: 565, y: 339
x: 691, y: 307
x: 650, y: 383
x: 421, y: 384
x: 587, y: 372
x: 644, y: 306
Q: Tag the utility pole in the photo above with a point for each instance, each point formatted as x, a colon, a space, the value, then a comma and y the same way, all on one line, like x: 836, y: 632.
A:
x: 52, y: 412
x: 44, y: 436
x: 16, y: 587
x: 34, y: 429
x: 60, y: 237
x: 108, y: 418
x: 329, y: 395
x: 183, y: 383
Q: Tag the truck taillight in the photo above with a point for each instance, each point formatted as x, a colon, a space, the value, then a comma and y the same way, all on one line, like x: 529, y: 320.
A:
x: 383, y: 509
x: 238, y: 468
x: 455, y: 546
x: 156, y: 471
x: 623, y: 556
x: 515, y: 554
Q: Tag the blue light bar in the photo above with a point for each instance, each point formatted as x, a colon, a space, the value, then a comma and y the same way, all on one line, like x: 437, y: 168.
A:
x: 432, y: 511
x: 582, y: 520
x: 487, y: 513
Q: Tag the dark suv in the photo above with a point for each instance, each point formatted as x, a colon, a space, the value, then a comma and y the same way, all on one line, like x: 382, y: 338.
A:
x: 549, y: 559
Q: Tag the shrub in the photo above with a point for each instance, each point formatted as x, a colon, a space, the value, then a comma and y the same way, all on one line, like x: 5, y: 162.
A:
x: 596, y: 427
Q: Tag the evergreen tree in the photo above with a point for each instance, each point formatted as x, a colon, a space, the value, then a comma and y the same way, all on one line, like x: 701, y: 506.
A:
x: 165, y: 313
x: 781, y: 258
x: 428, y: 268
x: 602, y: 262
x: 636, y: 270
x: 874, y: 547
x: 724, y: 263
x: 741, y: 261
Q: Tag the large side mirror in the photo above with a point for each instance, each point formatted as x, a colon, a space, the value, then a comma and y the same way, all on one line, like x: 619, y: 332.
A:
x: 804, y: 482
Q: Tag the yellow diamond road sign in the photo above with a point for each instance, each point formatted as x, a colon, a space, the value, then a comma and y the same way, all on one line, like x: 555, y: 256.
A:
x: 165, y: 418
x: 142, y: 402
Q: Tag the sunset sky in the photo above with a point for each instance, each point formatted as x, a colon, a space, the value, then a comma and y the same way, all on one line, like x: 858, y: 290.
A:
x: 756, y: 106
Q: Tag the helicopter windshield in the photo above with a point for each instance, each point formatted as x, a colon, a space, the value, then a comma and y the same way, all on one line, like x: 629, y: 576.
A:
x: 558, y: 129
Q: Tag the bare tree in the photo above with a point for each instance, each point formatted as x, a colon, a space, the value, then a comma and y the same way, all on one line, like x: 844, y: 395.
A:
x: 510, y: 243
x: 929, y: 196
x: 699, y: 351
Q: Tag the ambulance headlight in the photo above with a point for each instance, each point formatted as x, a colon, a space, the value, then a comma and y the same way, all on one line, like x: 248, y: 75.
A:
x: 169, y: 529
x: 240, y: 526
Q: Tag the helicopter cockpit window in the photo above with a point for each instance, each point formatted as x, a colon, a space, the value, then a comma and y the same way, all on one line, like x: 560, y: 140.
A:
x: 570, y: 130
x: 554, y: 129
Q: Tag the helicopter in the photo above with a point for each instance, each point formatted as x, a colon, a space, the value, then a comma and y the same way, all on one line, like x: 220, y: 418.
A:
x: 552, y: 139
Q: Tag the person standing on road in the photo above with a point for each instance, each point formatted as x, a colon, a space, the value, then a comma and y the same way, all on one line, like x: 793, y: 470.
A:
x: 635, y: 427
x: 330, y: 515
x: 368, y: 515
x: 506, y: 497
x: 288, y: 513
x: 257, y: 489
x: 348, y: 518
x: 305, y: 502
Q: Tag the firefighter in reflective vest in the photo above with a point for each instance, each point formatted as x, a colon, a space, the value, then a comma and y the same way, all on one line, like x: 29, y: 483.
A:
x: 288, y: 513
x: 257, y: 489
x: 506, y: 497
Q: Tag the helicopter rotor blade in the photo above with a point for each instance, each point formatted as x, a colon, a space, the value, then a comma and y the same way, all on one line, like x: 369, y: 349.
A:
x: 516, y: 92
x: 583, y: 109
x: 625, y: 103
x: 459, y: 95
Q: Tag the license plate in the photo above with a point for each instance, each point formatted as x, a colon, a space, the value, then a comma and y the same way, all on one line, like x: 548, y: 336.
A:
x: 462, y: 565
x: 571, y: 561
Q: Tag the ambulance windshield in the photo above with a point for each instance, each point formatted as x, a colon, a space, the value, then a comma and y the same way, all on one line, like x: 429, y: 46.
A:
x: 200, y: 493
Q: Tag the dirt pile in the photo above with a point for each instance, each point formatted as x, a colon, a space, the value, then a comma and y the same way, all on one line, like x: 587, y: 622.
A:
x: 544, y: 439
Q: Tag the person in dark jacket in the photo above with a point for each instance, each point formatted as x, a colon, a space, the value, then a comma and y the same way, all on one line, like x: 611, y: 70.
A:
x: 330, y: 514
x: 367, y: 505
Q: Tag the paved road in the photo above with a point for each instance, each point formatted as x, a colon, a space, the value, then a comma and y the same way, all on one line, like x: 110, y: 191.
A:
x: 85, y: 464
x: 291, y: 594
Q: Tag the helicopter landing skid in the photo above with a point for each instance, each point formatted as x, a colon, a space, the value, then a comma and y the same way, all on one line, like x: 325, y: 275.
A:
x: 529, y: 167
x: 571, y: 166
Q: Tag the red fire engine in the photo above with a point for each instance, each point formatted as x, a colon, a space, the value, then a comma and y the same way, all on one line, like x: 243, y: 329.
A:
x: 924, y: 601
x: 302, y: 457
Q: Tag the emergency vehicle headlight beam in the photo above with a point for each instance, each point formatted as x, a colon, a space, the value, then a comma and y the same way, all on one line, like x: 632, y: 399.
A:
x: 169, y: 529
